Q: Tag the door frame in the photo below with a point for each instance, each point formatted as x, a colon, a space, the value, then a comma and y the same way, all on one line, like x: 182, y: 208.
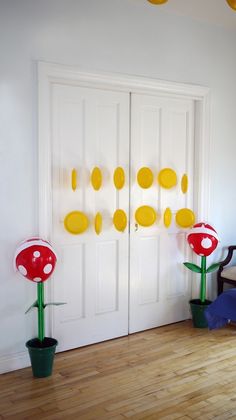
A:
x: 49, y: 74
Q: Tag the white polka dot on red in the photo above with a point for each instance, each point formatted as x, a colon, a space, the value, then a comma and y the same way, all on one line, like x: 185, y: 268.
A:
x: 47, y: 269
x: 22, y: 270
x: 36, y: 254
x: 206, y: 243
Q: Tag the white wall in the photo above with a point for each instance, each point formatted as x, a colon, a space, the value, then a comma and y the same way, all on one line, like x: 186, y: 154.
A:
x: 127, y: 36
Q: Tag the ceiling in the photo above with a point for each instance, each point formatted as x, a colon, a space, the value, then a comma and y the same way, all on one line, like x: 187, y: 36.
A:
x: 212, y: 11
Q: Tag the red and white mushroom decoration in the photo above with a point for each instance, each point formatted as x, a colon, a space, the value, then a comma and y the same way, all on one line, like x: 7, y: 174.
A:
x: 35, y: 259
x: 203, y: 239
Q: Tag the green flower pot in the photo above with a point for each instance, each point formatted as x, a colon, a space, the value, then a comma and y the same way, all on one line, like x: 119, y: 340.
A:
x: 42, y: 356
x: 197, y: 310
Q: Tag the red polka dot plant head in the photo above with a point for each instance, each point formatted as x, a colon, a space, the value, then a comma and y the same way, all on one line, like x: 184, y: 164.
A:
x: 35, y: 259
x: 203, y: 239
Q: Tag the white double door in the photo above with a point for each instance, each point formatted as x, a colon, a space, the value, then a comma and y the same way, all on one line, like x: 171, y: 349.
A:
x: 117, y: 283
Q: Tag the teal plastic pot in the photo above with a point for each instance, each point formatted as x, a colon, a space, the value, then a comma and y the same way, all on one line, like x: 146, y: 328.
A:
x: 197, y: 310
x: 42, y: 356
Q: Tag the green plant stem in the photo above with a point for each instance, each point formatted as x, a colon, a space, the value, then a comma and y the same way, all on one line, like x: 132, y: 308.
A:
x: 40, y: 295
x: 203, y: 280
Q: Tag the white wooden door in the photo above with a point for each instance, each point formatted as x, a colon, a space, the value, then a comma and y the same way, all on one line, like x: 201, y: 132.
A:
x: 162, y: 136
x: 90, y: 127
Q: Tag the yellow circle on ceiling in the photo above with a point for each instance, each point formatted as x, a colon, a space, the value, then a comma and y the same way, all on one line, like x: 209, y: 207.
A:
x: 96, y: 178
x: 185, y: 218
x: 119, y: 178
x: 145, y: 177
x: 167, y: 178
x: 231, y: 3
x: 145, y: 216
x: 120, y: 220
x: 157, y: 1
x: 76, y: 222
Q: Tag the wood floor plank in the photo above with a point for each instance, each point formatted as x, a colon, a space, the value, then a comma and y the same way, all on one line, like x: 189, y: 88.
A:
x: 172, y: 372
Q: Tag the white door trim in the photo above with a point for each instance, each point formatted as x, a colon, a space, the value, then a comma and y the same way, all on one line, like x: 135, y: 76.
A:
x: 49, y: 74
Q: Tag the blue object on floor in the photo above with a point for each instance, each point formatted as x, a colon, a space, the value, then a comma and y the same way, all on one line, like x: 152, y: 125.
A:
x: 222, y: 310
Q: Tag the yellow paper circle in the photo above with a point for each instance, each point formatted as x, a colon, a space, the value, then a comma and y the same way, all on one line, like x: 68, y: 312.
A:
x: 185, y: 218
x: 145, y: 177
x: 96, y: 178
x: 167, y: 217
x: 119, y: 178
x: 120, y: 220
x: 167, y: 178
x: 145, y: 216
x: 76, y: 222
x: 98, y: 223
x: 184, y: 183
x: 73, y: 179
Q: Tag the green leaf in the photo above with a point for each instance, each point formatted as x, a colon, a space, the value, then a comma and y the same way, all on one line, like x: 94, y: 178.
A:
x: 213, y: 267
x: 193, y: 267
x: 34, y: 305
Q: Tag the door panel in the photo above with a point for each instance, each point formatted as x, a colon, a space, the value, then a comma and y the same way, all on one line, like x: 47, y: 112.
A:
x: 147, y: 258
x: 162, y: 135
x: 107, y: 277
x: 90, y: 127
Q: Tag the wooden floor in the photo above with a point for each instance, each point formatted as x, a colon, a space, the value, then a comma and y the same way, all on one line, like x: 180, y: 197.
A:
x: 173, y: 372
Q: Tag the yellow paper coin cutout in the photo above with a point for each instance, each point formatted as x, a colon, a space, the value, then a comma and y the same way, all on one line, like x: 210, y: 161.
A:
x: 98, y: 223
x: 74, y: 179
x: 120, y: 220
x: 167, y: 217
x: 167, y: 178
x: 119, y: 178
x: 145, y: 216
x: 185, y: 218
x: 184, y: 183
x: 76, y: 222
x: 96, y: 178
x: 145, y: 177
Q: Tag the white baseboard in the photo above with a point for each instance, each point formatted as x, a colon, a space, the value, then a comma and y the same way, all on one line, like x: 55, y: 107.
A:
x: 15, y: 361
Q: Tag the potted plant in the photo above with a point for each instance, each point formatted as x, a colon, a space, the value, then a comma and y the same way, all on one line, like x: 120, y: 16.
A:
x: 35, y: 259
x: 203, y: 240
